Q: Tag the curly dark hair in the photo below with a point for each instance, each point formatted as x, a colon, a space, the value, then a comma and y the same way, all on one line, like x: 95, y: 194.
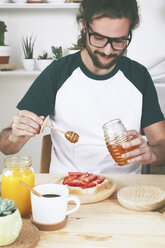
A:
x: 107, y: 8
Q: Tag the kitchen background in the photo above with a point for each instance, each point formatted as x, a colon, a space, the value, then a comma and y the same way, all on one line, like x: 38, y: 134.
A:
x: 55, y: 25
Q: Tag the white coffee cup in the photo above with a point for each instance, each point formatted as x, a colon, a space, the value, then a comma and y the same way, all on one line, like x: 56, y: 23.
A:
x: 52, y: 210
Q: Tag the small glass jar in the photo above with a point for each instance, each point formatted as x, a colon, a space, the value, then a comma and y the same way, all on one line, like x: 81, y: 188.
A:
x: 18, y: 168
x: 114, y: 138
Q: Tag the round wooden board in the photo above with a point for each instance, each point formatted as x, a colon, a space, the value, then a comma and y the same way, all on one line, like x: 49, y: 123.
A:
x: 141, y: 197
x: 100, y: 196
x: 28, y: 237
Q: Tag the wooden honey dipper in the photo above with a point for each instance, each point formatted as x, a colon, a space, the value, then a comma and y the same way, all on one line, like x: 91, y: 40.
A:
x: 69, y: 135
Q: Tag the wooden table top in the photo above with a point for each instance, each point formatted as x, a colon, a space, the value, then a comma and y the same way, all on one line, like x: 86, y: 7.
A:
x: 107, y: 224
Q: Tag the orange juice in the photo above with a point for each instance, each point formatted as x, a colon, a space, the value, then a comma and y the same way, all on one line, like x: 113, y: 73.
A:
x: 12, y: 189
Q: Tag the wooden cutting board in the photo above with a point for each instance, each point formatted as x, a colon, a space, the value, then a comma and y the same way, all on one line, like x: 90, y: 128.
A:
x: 141, y: 197
x: 7, y: 67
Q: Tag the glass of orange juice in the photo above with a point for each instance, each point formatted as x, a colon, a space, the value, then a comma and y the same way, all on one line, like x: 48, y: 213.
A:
x: 18, y: 168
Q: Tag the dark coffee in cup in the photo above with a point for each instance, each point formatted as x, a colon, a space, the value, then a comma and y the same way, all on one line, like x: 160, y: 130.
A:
x: 51, y: 195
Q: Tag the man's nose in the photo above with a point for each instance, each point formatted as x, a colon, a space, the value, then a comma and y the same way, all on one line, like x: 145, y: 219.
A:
x: 108, y: 49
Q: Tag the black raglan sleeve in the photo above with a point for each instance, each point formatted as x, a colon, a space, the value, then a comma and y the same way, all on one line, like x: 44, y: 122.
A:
x: 40, y: 98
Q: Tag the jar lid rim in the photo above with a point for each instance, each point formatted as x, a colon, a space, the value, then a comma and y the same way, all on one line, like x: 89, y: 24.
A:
x: 112, y: 122
x: 15, y: 161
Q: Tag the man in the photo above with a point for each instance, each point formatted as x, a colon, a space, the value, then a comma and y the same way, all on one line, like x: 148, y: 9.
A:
x: 83, y: 91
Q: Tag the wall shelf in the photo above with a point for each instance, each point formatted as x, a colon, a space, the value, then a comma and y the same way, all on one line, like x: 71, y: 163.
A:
x: 20, y: 72
x: 39, y: 6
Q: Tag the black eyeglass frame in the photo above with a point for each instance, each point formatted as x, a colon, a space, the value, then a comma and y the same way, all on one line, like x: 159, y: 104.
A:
x: 109, y: 39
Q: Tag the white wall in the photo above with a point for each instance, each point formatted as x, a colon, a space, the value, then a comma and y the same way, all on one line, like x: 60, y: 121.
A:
x: 50, y: 27
x: 58, y: 27
x: 147, y: 46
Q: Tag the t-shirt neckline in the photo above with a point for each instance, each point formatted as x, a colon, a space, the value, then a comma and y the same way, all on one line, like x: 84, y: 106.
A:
x: 94, y: 76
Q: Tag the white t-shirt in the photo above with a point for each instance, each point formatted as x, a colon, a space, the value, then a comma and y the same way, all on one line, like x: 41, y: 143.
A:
x: 80, y: 101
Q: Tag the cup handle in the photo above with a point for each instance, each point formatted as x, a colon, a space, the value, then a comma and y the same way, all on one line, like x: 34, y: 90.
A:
x: 77, y: 201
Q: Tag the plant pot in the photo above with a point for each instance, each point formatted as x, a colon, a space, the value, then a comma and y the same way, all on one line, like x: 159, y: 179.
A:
x: 19, y: 1
x: 34, y: 1
x: 56, y: 1
x: 71, y: 51
x: 28, y: 64
x: 5, y: 54
x: 43, y: 63
x: 10, y: 227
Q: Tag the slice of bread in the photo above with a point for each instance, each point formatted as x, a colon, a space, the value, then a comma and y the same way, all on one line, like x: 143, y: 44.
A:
x: 84, y: 183
x: 88, y: 191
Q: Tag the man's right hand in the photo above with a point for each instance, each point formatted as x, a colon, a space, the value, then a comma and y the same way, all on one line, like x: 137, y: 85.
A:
x: 24, y: 126
x: 26, y: 123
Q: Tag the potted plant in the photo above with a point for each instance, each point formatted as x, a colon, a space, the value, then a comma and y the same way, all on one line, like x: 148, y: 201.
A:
x: 4, y: 49
x: 10, y: 222
x: 28, y: 48
x: 43, y: 61
x: 19, y: 1
x: 74, y: 48
x: 57, y: 52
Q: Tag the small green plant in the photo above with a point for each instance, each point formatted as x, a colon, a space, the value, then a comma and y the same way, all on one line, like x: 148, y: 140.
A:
x: 57, y: 52
x: 75, y: 47
x: 44, y: 56
x: 3, y: 29
x: 28, y: 46
x: 6, y: 207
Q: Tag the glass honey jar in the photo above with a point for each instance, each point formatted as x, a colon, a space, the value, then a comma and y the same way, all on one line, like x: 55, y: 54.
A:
x: 18, y: 168
x: 114, y: 138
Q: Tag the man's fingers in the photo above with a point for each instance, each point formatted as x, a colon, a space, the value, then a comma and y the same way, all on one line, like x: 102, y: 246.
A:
x: 23, y: 127
x: 136, y: 152
x: 31, y: 115
x: 25, y: 121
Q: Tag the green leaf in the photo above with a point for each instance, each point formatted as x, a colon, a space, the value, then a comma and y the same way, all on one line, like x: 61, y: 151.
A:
x: 57, y: 51
x: 28, y: 46
x: 3, y: 29
x: 6, y: 206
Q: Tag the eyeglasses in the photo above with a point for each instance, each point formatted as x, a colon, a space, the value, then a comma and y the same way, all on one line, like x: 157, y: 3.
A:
x: 101, y: 41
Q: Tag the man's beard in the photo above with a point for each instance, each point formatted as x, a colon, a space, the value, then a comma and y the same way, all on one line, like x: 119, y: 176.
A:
x: 96, y: 61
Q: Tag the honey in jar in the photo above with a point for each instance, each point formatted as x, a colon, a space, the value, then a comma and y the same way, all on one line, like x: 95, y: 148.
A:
x: 18, y: 168
x: 114, y: 138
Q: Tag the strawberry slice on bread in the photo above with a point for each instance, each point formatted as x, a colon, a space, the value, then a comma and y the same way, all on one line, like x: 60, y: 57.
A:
x: 85, y: 183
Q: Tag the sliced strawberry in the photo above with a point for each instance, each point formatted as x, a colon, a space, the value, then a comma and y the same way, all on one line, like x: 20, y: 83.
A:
x: 68, y: 179
x: 99, y: 179
x: 75, y: 173
x: 91, y: 177
x: 83, y: 180
x: 76, y: 183
x: 89, y: 185
x: 84, y: 175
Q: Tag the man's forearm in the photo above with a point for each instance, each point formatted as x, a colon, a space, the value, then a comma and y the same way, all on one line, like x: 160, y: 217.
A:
x: 158, y: 156
x: 10, y: 144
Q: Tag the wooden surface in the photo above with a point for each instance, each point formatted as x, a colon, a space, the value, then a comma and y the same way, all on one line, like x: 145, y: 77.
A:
x: 107, y: 223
